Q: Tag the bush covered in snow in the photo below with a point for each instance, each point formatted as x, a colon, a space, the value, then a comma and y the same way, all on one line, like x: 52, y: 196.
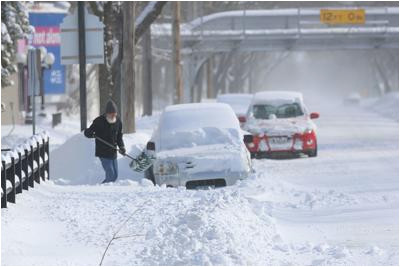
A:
x: 14, y: 26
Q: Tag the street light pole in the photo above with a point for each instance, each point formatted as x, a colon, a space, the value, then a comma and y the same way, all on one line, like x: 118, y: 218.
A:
x: 21, y: 83
x: 47, y: 62
x: 82, y: 63
x: 24, y: 88
x: 42, y: 93
x: 34, y: 63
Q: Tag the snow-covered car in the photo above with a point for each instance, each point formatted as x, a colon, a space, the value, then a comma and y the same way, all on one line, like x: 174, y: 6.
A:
x: 239, y: 103
x: 281, y: 125
x: 352, y: 99
x: 198, y: 146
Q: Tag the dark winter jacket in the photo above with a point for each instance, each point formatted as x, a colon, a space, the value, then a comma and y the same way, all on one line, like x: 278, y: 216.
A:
x: 110, y: 132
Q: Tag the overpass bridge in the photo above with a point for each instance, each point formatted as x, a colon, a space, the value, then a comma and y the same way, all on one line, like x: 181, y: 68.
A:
x: 295, y: 29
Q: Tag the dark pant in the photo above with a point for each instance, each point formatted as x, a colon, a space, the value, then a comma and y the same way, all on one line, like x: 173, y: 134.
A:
x: 110, y: 167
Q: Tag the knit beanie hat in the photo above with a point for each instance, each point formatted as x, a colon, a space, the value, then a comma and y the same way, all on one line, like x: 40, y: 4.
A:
x: 111, y: 107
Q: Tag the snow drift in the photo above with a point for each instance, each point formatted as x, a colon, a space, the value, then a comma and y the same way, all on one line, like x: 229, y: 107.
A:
x: 74, y: 162
x: 387, y: 105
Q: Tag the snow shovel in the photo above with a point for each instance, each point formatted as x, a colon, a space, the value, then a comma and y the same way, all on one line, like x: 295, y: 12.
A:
x: 139, y: 164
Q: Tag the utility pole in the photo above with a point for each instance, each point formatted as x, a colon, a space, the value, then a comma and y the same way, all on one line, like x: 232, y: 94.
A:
x: 128, y: 68
x: 146, y: 74
x: 82, y: 63
x: 177, y: 52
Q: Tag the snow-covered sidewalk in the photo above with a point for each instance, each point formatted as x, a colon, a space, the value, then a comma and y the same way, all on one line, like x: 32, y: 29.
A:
x: 340, y: 208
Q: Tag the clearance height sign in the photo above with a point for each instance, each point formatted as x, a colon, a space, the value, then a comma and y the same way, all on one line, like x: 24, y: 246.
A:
x: 47, y: 34
x: 342, y: 16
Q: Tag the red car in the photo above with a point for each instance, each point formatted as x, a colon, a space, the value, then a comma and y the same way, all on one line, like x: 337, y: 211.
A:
x: 281, y: 125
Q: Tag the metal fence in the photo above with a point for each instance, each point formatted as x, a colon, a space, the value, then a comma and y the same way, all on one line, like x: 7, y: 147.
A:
x: 24, y: 165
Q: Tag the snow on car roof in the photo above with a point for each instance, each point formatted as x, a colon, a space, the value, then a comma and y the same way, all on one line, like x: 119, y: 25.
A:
x: 268, y: 96
x: 199, y: 115
x: 196, y: 106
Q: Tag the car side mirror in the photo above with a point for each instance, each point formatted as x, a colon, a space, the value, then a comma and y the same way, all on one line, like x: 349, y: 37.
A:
x: 242, y: 119
x: 248, y: 138
x: 314, y: 115
x: 151, y: 146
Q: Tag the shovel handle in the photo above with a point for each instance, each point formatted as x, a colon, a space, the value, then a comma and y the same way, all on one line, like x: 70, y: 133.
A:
x: 105, y: 142
x: 126, y: 155
x: 110, y: 145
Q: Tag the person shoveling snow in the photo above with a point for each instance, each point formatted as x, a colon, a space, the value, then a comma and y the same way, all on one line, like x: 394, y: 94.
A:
x: 107, y: 129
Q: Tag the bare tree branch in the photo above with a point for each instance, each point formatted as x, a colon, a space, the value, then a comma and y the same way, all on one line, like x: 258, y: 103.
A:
x: 147, y: 17
x: 95, y: 9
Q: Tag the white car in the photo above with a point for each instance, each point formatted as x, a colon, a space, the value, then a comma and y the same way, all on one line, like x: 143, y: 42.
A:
x: 281, y: 125
x: 198, y: 146
x: 239, y: 103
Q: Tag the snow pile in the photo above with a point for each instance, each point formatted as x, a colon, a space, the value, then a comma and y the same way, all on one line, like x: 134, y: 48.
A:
x: 147, y: 124
x: 74, y: 162
x: 216, y: 227
x: 226, y: 232
x: 387, y: 105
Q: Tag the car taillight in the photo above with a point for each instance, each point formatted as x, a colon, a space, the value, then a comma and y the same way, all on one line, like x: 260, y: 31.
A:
x: 242, y: 119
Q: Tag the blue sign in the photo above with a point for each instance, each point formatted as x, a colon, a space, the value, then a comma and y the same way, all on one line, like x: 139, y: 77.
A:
x: 47, y: 34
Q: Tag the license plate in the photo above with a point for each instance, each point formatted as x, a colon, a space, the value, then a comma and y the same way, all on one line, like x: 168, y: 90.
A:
x: 279, y: 140
x: 280, y: 143
x: 263, y: 145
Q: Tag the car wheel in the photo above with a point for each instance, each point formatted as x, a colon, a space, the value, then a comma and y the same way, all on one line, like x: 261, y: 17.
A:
x: 253, y: 155
x: 313, y: 153
x: 149, y: 174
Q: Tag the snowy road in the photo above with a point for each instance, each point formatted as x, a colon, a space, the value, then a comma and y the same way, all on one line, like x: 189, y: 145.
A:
x: 340, y: 208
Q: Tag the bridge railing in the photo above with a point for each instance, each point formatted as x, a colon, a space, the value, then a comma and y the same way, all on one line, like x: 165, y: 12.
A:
x: 283, y: 29
x: 23, y: 166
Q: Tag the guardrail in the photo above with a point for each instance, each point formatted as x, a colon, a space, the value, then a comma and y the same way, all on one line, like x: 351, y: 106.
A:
x: 24, y: 165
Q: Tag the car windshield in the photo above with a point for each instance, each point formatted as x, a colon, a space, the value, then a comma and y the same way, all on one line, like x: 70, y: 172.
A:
x: 284, y: 111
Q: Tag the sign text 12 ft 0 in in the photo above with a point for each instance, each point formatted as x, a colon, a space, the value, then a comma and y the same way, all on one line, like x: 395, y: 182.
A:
x: 342, y: 16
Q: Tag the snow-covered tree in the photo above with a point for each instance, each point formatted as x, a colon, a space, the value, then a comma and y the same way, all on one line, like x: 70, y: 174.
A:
x: 14, y: 26
x: 110, y: 13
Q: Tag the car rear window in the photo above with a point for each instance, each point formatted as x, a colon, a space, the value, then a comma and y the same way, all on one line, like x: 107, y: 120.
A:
x: 289, y: 110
